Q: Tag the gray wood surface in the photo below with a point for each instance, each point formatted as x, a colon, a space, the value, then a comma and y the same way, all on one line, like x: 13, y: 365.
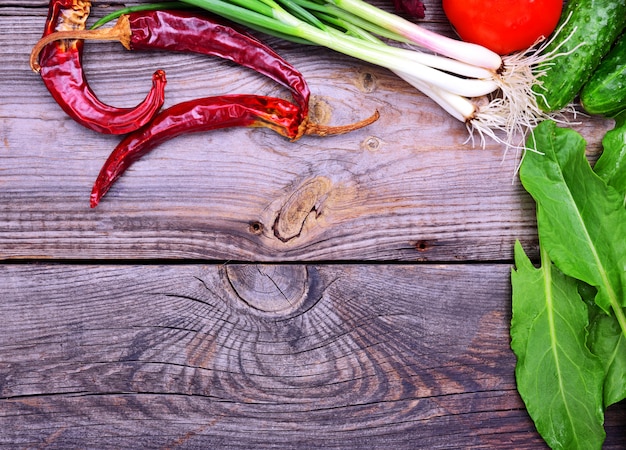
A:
x: 405, y: 188
x: 236, y: 290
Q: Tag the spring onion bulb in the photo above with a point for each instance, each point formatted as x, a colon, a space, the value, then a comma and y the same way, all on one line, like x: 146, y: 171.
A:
x: 462, y: 51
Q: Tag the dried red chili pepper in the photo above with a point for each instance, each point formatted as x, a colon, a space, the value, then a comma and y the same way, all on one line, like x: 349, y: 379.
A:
x: 60, y: 66
x: 185, y: 31
x: 206, y: 114
x: 194, y: 116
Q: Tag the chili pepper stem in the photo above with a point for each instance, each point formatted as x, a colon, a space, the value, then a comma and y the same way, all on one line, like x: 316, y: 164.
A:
x: 119, y: 32
x: 316, y: 129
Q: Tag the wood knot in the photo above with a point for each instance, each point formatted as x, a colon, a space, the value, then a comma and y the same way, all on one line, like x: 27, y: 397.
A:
x: 305, y: 202
x: 371, y: 144
x: 277, y: 289
x: 367, y: 82
x: 319, y: 111
x: 423, y: 245
x: 255, y: 228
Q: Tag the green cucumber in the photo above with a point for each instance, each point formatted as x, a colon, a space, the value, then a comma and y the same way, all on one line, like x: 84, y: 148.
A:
x: 592, y: 24
x: 605, y: 92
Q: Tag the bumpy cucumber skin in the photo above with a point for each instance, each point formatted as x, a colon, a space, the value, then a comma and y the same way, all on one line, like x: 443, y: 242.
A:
x: 595, y: 24
x: 605, y: 92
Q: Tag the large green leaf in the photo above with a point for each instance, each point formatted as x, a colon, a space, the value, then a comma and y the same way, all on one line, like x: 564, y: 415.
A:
x: 558, y: 378
x: 581, y: 220
x: 611, y: 166
x: 606, y: 337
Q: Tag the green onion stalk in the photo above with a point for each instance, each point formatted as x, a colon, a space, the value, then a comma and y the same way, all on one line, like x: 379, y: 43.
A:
x: 476, y: 86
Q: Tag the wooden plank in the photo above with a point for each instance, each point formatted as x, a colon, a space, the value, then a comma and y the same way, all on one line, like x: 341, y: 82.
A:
x: 332, y: 356
x: 405, y: 188
x: 240, y: 356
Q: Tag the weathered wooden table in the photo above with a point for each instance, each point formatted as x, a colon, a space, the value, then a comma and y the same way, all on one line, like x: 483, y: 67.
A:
x: 236, y: 290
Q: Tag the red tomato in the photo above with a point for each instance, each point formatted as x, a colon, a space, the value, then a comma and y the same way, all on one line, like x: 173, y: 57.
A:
x: 503, y: 26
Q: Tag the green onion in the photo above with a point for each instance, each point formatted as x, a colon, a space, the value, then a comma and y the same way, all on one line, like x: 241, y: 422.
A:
x: 475, y: 85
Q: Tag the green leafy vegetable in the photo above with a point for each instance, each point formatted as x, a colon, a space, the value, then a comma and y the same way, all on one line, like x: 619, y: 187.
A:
x: 558, y: 377
x: 581, y: 220
x: 568, y: 329
x: 611, y: 166
x: 606, y: 337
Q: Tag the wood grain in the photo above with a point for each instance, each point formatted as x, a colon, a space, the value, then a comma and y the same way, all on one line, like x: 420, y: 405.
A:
x: 171, y: 356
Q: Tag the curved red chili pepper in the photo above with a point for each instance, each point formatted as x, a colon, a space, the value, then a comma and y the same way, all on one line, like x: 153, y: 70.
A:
x: 203, y: 114
x: 62, y: 72
x: 212, y: 113
x: 185, y: 31
x: 192, y: 32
